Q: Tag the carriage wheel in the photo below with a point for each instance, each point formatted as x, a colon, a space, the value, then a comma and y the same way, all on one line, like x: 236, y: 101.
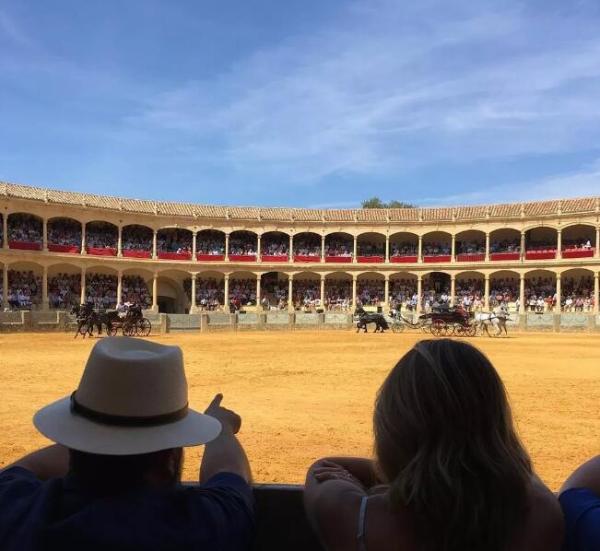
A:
x: 471, y: 330
x: 397, y: 327
x: 448, y: 330
x: 128, y: 329
x: 459, y: 330
x: 438, y: 328
x: 144, y: 327
x: 112, y: 331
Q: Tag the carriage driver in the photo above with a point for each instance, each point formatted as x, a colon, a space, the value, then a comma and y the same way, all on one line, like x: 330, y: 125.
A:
x: 122, y: 309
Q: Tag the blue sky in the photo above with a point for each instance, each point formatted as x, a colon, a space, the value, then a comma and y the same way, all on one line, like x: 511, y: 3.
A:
x: 302, y: 103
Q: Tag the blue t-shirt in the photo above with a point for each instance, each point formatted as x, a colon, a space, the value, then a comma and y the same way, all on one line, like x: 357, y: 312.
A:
x: 581, y: 508
x: 36, y: 515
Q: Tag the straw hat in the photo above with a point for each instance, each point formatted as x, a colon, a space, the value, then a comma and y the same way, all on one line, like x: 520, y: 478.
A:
x: 132, y: 399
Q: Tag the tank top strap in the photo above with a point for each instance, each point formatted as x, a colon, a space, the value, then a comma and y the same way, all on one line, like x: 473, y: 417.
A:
x: 362, y: 524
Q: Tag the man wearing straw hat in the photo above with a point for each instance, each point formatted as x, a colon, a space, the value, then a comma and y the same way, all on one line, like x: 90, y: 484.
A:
x: 112, y: 479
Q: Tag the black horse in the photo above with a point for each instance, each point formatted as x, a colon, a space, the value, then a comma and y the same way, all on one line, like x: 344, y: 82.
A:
x: 364, y: 318
x: 86, y: 318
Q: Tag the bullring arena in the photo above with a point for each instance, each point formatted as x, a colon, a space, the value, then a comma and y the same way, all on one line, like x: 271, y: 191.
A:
x: 209, y: 277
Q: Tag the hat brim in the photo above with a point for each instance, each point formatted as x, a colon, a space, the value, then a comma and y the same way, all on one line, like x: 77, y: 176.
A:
x: 57, y: 423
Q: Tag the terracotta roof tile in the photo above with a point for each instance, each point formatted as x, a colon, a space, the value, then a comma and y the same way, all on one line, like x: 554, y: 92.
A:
x: 469, y: 213
x: 541, y: 208
x: 437, y: 214
x: 404, y: 215
x: 339, y: 215
x: 578, y: 205
x: 282, y: 214
x: 512, y: 210
x: 307, y: 215
x: 372, y: 215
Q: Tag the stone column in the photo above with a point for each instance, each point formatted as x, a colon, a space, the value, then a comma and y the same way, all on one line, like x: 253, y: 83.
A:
x: 453, y: 249
x: 523, y: 244
x: 194, y: 255
x: 452, y: 290
x: 291, y: 251
x: 5, y: 286
x: 120, y: 242
x: 487, y: 246
x: 386, y: 291
x: 258, y: 248
x: 83, y: 239
x: 258, y: 278
x: 387, y: 248
x: 193, y: 304
x: 5, y: 230
x: 558, y: 293
x: 419, y: 292
x: 226, y: 292
x: 420, y: 250
x: 82, y: 297
x: 559, y: 243
x: 154, y: 244
x: 290, y: 293
x: 322, y: 248
x: 322, y: 291
x: 45, y: 234
x: 354, y: 279
x: 522, y: 306
x: 226, y: 247
x: 355, y: 251
x: 119, y: 287
x: 155, y: 292
x: 45, y: 304
x: 486, y: 296
x: 596, y: 289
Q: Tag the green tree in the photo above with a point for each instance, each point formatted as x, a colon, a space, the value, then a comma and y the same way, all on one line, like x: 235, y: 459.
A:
x: 377, y: 203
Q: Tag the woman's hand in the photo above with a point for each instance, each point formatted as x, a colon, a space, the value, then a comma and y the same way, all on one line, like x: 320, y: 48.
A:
x: 328, y: 470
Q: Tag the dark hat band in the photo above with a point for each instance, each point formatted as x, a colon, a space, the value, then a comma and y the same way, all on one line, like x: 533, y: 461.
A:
x: 126, y: 421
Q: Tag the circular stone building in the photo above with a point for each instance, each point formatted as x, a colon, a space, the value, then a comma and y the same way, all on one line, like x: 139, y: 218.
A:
x: 59, y: 248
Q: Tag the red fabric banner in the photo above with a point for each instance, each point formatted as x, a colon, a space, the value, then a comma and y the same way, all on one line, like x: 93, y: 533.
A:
x: 70, y: 249
x: 370, y: 259
x: 540, y: 255
x: 274, y: 258
x: 505, y: 256
x: 306, y: 258
x: 403, y: 259
x: 338, y: 259
x: 136, y: 253
x: 25, y: 245
x: 242, y: 257
x: 210, y: 257
x: 478, y: 257
x: 174, y: 256
x: 107, y: 251
x: 577, y: 253
x: 440, y: 258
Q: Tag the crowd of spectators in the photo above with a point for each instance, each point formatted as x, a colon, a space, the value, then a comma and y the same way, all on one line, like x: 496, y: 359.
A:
x: 469, y: 294
x: 338, y: 295
x: 307, y: 294
x: 504, y: 291
x: 210, y: 292
x: 134, y: 289
x: 470, y: 247
x: 101, y: 290
x: 242, y: 292
x: 581, y: 243
x: 275, y: 245
x: 64, y: 290
x: 577, y: 295
x: 436, y: 249
x: 370, y: 292
x: 307, y: 245
x: 339, y: 247
x: 242, y: 243
x: 403, y: 293
x: 64, y: 231
x: 540, y: 294
x: 25, y: 227
x: 210, y: 243
x: 24, y: 290
x: 136, y: 238
x: 274, y: 292
x: 506, y: 246
x: 371, y: 249
x: 404, y: 249
x: 540, y: 245
x: 101, y: 235
x: 174, y: 241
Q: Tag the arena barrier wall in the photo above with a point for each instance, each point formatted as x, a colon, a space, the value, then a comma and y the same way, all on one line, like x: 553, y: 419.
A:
x: 39, y: 320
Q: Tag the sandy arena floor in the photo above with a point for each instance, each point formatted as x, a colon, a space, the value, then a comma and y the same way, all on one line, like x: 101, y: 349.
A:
x: 304, y: 395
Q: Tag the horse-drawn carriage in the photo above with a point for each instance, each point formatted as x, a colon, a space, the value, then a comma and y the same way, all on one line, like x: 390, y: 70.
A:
x: 129, y: 319
x: 445, y: 322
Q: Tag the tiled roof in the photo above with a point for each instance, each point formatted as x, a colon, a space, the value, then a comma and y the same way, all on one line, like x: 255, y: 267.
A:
x: 189, y: 210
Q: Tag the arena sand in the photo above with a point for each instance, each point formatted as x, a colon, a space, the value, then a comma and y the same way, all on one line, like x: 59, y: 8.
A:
x: 304, y: 395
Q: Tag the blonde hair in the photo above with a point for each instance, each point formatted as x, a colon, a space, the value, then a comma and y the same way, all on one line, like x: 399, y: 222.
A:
x: 445, y: 442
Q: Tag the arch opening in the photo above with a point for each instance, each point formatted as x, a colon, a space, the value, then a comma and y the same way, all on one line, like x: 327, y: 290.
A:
x: 403, y: 291
x: 64, y: 286
x: 470, y: 246
x: 101, y: 288
x: 101, y: 238
x: 469, y: 289
x: 275, y: 247
x: 242, y: 289
x: 24, y: 286
x: 339, y: 247
x: 541, y: 243
x: 371, y: 247
x: 243, y: 246
x: 136, y: 241
x: 540, y: 291
x: 25, y: 231
x: 64, y: 235
x: 577, y: 290
x: 274, y: 290
x: 579, y: 241
x: 370, y: 289
x: 505, y: 244
x: 338, y: 291
x: 437, y: 247
x: 307, y: 247
x: 504, y: 289
x: 210, y: 245
x: 404, y: 247
x: 174, y: 244
x: 435, y: 290
x: 306, y: 291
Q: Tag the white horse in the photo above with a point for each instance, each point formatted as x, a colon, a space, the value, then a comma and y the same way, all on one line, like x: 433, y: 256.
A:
x: 496, y: 319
